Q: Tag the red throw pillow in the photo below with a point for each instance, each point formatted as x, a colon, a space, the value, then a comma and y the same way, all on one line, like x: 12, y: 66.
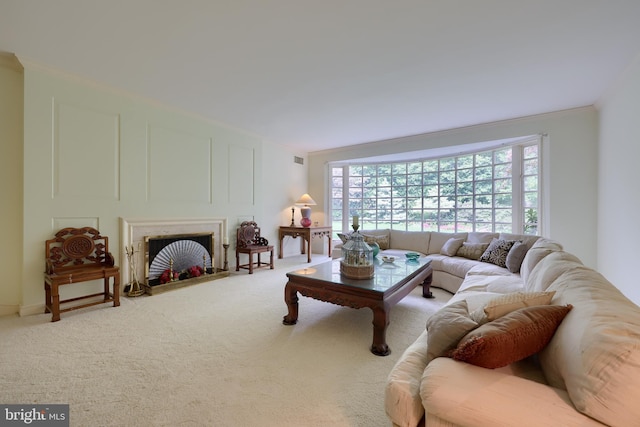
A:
x: 512, y: 337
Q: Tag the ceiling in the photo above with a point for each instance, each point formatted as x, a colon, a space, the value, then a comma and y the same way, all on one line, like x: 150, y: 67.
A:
x: 323, y: 74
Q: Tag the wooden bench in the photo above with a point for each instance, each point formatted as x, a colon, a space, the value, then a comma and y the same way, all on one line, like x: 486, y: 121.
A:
x: 79, y: 255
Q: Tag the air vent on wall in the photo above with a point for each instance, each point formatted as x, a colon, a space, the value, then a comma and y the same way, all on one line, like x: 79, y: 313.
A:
x: 298, y: 160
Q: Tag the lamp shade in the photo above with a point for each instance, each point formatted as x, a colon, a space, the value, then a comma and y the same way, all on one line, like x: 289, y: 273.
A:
x: 306, y: 199
x: 305, y: 211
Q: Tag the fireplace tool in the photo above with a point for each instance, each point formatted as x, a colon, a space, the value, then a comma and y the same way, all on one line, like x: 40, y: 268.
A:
x: 135, y: 289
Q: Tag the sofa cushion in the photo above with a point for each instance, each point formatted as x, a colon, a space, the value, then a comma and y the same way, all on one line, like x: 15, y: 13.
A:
x: 512, y: 337
x: 492, y: 284
x: 416, y: 241
x: 451, y: 246
x: 446, y: 327
x: 437, y: 240
x: 457, y: 266
x: 481, y: 237
x: 549, y: 269
x: 540, y: 249
x: 446, y: 281
x: 486, y: 269
x: 460, y: 394
x: 382, y: 241
x: 595, y: 353
x: 516, y: 256
x: 497, y: 252
x: 475, y: 299
x: 507, y: 303
x: 527, y: 239
x: 472, y: 250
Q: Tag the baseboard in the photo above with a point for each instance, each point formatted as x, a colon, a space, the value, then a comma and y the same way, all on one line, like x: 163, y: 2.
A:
x: 28, y: 310
x: 6, y: 310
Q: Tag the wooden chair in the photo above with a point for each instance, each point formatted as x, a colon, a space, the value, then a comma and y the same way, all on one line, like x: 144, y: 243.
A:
x: 249, y: 242
x: 78, y: 255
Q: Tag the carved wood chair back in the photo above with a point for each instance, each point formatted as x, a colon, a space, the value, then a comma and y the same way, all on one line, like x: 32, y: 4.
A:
x: 249, y: 235
x: 74, y: 248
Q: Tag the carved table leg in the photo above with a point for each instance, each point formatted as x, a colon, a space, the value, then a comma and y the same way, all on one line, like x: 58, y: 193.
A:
x: 291, y: 298
x: 380, y: 323
x: 426, y: 287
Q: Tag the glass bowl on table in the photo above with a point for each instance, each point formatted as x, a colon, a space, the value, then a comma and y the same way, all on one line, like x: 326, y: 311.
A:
x: 412, y: 256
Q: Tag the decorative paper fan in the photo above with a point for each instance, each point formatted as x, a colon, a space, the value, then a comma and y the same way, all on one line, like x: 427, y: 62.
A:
x: 184, y: 253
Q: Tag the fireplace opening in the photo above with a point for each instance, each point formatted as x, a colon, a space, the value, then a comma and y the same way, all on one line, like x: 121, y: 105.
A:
x: 177, y: 257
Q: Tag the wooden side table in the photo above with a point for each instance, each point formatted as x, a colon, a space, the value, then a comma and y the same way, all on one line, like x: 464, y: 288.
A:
x: 306, y: 234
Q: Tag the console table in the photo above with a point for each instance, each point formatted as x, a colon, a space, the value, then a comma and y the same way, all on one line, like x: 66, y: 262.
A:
x: 306, y: 234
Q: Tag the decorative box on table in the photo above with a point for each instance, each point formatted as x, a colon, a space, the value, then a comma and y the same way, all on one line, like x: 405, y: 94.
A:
x: 357, y: 259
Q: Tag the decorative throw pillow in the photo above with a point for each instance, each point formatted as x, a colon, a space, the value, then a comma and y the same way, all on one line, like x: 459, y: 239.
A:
x: 451, y: 246
x: 344, y: 237
x: 497, y: 252
x: 516, y: 256
x: 513, y: 337
x: 507, y: 303
x: 382, y: 241
x: 472, y: 250
x: 446, y: 327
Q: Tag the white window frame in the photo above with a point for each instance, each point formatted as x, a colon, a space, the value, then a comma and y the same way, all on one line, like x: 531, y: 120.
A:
x: 517, y: 193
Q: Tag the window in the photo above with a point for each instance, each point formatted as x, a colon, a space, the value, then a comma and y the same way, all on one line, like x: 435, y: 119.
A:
x: 492, y: 191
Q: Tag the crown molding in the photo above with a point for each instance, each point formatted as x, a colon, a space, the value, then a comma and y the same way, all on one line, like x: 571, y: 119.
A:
x: 9, y: 60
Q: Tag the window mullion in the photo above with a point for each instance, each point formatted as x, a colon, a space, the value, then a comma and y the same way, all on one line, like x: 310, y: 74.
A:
x: 517, y: 193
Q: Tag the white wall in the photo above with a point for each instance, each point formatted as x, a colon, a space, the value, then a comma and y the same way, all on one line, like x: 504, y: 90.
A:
x: 93, y: 155
x: 570, y: 175
x: 11, y: 102
x: 619, y: 197
x: 284, y: 182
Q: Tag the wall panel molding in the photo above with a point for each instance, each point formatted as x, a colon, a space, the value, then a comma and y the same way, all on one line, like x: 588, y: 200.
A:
x: 85, y: 152
x: 179, y: 166
x: 241, y: 175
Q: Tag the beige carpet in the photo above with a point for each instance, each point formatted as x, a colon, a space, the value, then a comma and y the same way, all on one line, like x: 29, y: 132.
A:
x: 212, y: 354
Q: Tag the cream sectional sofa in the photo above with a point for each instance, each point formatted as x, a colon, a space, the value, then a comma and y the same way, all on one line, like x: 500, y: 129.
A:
x: 587, y: 374
x: 448, y: 271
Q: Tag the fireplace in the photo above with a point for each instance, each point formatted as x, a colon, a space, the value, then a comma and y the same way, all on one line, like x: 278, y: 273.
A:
x: 170, y: 258
x: 158, y: 244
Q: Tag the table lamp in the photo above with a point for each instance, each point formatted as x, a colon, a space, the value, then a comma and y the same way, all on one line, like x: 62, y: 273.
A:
x: 305, y: 211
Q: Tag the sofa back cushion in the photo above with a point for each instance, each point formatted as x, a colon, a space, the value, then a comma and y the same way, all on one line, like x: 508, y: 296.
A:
x: 527, y: 239
x: 595, y: 353
x: 381, y: 237
x: 481, y: 237
x: 549, y: 269
x: 472, y: 250
x: 417, y: 241
x: 437, y: 240
x: 540, y: 249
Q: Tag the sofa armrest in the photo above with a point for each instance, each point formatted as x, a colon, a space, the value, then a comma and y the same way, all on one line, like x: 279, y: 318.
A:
x: 402, y: 401
x: 467, y: 395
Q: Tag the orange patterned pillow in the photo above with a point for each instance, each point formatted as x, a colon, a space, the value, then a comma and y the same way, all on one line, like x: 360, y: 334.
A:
x: 512, y: 337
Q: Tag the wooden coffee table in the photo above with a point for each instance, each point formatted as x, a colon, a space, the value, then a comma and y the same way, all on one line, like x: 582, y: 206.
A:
x: 390, y: 283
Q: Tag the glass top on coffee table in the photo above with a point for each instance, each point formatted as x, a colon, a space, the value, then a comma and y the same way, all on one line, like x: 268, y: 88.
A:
x: 386, y: 274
